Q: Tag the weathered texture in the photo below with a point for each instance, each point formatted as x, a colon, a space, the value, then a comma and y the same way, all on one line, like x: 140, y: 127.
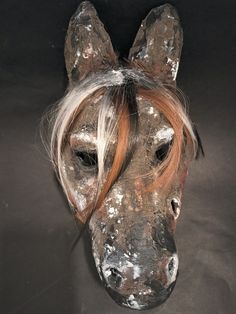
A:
x: 88, y: 47
x: 158, y: 43
x: 132, y: 231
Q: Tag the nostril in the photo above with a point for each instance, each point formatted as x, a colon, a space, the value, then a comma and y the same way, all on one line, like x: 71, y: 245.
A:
x: 114, y: 272
x: 175, y: 208
x: 171, y: 266
x: 115, y: 277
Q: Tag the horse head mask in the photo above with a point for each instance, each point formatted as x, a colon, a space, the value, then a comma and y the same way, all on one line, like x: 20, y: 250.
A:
x: 121, y: 143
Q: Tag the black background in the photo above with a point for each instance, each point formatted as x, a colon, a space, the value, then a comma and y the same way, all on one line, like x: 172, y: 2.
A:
x: 38, y: 273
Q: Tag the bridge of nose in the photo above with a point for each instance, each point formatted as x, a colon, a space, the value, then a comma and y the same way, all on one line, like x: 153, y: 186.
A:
x: 152, y: 128
x: 134, y: 251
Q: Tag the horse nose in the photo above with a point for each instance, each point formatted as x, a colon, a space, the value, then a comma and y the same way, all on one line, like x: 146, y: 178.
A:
x: 144, y: 291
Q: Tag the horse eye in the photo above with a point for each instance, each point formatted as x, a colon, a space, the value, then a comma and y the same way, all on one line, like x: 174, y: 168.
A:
x: 87, y: 159
x: 162, y: 151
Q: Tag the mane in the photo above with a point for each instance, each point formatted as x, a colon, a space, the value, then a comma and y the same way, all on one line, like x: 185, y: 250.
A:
x: 118, y: 113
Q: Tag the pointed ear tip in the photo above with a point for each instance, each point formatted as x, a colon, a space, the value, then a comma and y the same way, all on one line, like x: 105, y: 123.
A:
x: 169, y: 7
x: 85, y: 6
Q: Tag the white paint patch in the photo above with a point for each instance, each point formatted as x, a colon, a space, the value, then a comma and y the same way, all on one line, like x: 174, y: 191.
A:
x: 119, y: 76
x: 85, y: 137
x: 166, y: 44
x: 151, y: 110
x: 80, y: 200
x: 112, y: 212
x: 90, y: 181
x: 174, y: 67
x: 139, y: 98
x: 145, y: 292
x: 134, y: 304
x: 118, y: 195
x: 119, y: 198
x: 128, y: 264
x: 106, y: 272
x: 151, y: 42
x: 164, y: 133
x: 137, y: 271
x: 109, y: 248
x: 89, y: 27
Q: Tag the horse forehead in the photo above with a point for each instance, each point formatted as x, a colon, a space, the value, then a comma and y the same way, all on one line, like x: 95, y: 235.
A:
x: 149, y: 116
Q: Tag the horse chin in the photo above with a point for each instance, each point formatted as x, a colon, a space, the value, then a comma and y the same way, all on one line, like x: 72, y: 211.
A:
x: 140, y: 301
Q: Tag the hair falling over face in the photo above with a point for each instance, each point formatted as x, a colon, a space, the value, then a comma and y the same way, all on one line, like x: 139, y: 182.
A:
x: 118, y: 91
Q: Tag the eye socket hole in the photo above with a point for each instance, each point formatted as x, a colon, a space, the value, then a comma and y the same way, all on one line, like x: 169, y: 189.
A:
x: 162, y: 151
x: 87, y: 159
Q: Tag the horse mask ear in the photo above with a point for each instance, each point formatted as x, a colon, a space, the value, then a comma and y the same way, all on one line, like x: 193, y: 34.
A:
x: 88, y: 47
x: 158, y: 44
